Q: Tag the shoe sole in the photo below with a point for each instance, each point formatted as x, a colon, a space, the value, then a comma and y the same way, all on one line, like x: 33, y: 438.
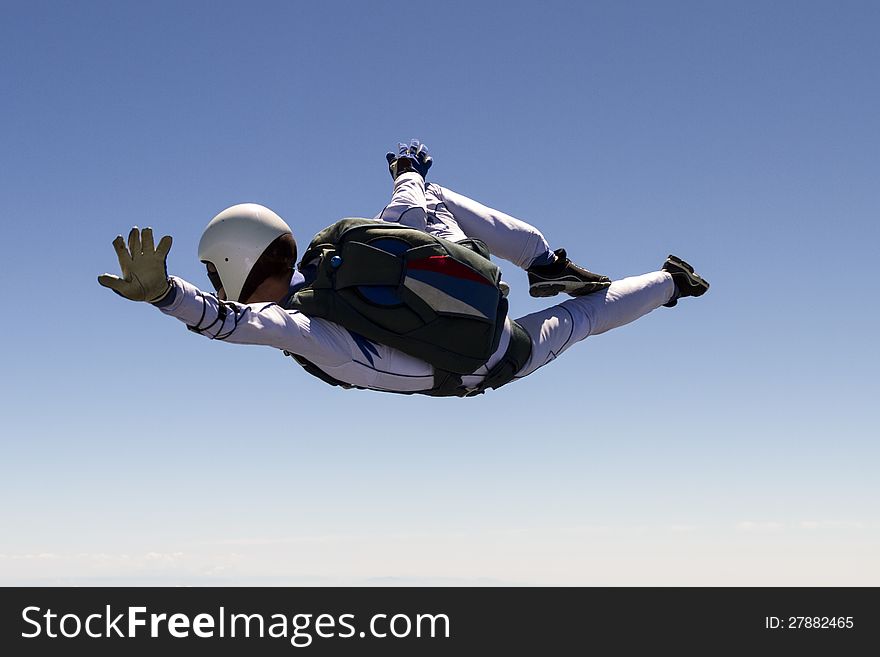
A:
x: 681, y: 263
x: 675, y: 260
x: 539, y: 290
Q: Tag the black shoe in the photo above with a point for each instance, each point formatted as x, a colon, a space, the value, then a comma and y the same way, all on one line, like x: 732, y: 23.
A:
x: 687, y: 283
x: 564, y: 276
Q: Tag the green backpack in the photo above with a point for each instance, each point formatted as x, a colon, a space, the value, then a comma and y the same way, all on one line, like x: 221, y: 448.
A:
x: 437, y: 300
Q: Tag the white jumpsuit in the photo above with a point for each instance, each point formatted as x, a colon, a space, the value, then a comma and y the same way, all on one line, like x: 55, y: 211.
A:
x: 352, y: 359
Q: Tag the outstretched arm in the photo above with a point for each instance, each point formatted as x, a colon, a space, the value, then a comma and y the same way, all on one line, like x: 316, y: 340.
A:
x: 258, y: 323
x: 408, y: 168
x: 144, y: 278
x: 408, y: 205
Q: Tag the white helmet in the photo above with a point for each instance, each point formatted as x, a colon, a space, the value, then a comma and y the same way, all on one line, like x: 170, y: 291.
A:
x: 235, y: 239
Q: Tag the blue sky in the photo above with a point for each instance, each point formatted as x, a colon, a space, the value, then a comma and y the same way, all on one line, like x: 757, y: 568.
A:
x: 731, y: 440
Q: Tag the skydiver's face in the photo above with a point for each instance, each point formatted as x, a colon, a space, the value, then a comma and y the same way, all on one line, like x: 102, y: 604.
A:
x: 272, y: 289
x: 214, y: 277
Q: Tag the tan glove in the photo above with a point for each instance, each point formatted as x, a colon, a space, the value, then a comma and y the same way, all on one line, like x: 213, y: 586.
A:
x: 144, y: 274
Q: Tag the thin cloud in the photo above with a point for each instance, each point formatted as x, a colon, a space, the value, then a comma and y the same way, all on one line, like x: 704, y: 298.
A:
x: 808, y: 525
x: 762, y: 526
x: 831, y: 524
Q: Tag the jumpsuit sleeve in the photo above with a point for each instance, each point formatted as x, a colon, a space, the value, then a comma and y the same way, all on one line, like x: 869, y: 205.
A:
x: 257, y: 323
x: 408, y: 205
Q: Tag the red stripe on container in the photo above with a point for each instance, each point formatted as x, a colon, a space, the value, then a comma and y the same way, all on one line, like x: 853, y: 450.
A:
x: 445, y: 265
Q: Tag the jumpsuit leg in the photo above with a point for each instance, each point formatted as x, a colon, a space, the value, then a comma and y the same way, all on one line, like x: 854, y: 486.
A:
x: 507, y: 237
x: 555, y: 329
x: 447, y: 214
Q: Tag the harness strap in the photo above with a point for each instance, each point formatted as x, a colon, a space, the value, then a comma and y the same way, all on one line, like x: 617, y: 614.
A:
x: 448, y: 384
x: 515, y: 357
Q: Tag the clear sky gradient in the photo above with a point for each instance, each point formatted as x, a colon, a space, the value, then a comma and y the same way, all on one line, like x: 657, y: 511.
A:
x: 730, y: 440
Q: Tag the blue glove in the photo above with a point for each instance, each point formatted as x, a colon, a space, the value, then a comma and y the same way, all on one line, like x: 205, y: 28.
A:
x: 414, y: 157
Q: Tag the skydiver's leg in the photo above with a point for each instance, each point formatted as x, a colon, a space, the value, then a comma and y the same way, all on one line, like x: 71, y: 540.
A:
x: 450, y: 215
x: 550, y: 272
x: 420, y: 206
x: 445, y: 213
x: 557, y: 328
x: 506, y: 236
